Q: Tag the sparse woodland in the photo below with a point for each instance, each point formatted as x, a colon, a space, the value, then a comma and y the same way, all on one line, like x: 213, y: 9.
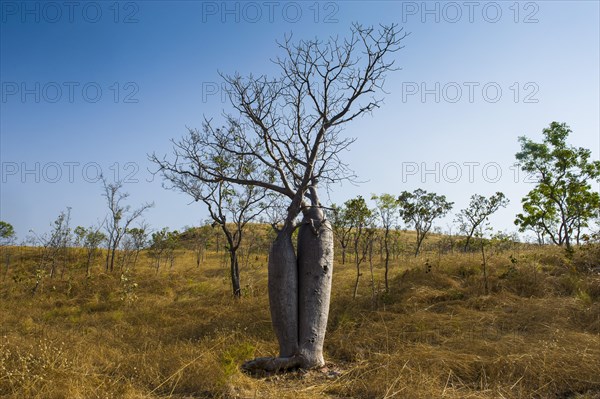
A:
x: 281, y: 296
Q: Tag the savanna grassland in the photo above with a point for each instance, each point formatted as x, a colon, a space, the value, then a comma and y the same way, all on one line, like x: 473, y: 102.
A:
x: 179, y: 333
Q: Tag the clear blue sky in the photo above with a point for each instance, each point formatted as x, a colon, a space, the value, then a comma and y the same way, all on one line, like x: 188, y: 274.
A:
x: 94, y: 86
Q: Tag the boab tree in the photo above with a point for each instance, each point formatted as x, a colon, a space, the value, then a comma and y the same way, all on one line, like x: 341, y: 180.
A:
x: 289, y: 143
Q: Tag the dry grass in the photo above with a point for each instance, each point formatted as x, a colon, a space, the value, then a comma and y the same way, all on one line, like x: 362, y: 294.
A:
x: 179, y: 334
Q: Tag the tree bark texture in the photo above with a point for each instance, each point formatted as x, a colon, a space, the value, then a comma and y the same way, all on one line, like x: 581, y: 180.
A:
x: 299, y: 294
x: 315, y: 269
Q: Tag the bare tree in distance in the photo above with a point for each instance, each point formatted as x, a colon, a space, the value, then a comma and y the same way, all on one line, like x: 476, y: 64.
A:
x: 286, y: 136
x: 54, y: 248
x: 119, y: 218
x: 230, y: 207
x: 199, y: 237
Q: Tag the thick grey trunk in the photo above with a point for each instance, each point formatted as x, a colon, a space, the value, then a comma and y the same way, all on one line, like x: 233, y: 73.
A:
x: 315, y: 268
x: 299, y: 294
x: 283, y: 292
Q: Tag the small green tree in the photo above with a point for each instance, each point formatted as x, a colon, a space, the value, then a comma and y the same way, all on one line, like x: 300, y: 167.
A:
x: 7, y: 233
x: 163, y: 246
x: 479, y: 210
x: 359, y: 218
x: 90, y: 239
x: 563, y: 202
x: 342, y: 227
x: 200, y: 237
x: 172, y: 245
x: 420, y: 209
x: 387, y: 209
x: 7, y: 237
x: 158, y: 246
x: 136, y: 239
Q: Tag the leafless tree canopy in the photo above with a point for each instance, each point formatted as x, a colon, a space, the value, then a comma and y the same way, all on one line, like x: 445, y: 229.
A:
x: 119, y: 219
x: 286, y: 134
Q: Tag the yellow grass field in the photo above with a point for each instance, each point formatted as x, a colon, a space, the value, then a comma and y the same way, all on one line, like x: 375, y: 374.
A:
x: 180, y: 334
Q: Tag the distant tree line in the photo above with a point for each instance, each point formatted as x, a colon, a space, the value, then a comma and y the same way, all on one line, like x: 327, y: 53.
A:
x: 560, y: 209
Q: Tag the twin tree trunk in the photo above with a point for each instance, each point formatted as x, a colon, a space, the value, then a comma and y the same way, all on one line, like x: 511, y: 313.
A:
x: 299, y: 293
